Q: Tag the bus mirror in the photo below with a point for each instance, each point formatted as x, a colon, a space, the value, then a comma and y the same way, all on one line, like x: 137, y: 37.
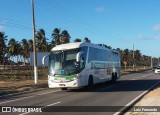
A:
x: 78, y: 56
x: 43, y: 59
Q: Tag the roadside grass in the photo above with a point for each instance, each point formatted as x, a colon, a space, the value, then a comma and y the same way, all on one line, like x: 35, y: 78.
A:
x: 130, y: 70
x: 18, y: 74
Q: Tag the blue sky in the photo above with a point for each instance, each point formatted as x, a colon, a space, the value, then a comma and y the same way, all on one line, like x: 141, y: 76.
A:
x: 117, y: 23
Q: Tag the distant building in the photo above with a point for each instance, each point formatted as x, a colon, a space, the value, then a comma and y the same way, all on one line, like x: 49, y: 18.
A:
x: 40, y: 55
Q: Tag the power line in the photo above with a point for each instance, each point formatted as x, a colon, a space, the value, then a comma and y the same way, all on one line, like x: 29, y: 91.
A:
x: 73, y: 21
x: 16, y: 24
x: 73, y: 15
x: 15, y: 21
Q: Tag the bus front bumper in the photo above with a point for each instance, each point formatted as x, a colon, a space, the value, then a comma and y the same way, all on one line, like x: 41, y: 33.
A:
x: 53, y: 84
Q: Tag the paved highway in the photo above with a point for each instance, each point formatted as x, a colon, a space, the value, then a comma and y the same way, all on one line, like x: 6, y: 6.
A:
x: 106, y: 97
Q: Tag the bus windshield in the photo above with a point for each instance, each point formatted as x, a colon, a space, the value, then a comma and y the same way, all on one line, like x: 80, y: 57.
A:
x: 63, y: 62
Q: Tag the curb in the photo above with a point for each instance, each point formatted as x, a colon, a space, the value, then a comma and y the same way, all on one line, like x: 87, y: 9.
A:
x: 134, y: 101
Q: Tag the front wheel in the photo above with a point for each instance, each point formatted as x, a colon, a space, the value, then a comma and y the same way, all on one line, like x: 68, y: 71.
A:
x: 114, y: 77
x: 90, y: 83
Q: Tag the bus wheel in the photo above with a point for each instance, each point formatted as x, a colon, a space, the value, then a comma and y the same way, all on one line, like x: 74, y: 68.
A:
x: 64, y: 88
x: 90, y: 83
x: 114, y: 77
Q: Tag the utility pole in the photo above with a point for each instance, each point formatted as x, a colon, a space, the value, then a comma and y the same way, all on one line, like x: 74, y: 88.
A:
x: 151, y: 62
x: 133, y: 58
x: 34, y: 45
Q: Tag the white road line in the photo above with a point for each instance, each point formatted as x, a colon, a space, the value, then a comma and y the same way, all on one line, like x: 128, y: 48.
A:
x: 139, y: 78
x: 12, y: 94
x: 134, y: 100
x: 53, y: 104
x: 16, y: 100
x: 42, y: 107
x: 28, y: 97
x: 48, y: 92
x: 134, y: 79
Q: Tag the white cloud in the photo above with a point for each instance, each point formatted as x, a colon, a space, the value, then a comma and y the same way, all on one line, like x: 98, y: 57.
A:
x: 1, y: 28
x: 156, y: 27
x: 141, y: 37
x: 100, y: 9
x: 157, y: 37
x: 2, y: 25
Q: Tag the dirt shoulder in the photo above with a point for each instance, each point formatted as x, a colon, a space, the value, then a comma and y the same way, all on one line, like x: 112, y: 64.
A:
x: 7, y: 87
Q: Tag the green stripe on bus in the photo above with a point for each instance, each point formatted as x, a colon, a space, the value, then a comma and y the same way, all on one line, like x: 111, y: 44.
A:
x: 66, y: 77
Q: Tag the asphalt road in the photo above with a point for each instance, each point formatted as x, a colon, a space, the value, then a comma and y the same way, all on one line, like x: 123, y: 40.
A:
x: 104, y: 99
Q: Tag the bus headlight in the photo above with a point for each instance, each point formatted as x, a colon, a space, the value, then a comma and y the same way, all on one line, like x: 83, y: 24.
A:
x: 78, y: 76
x: 75, y: 78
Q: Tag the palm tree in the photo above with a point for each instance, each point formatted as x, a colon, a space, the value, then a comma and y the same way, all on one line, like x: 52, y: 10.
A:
x: 86, y: 39
x: 126, y: 55
x: 12, y: 47
x: 30, y: 42
x: 121, y: 54
x: 18, y: 51
x: 3, y: 51
x: 56, y: 36
x: 60, y: 38
x: 77, y: 40
x: 25, y: 49
x: 106, y: 46
x: 137, y: 57
x: 64, y: 37
x: 41, y: 40
x: 130, y: 59
x: 51, y: 45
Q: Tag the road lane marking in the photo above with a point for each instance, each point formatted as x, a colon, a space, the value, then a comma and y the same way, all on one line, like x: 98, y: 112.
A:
x: 134, y: 100
x: 133, y: 79
x: 43, y: 107
x: 12, y: 94
x: 138, y: 78
x: 15, y: 100
x: 53, y: 104
x: 48, y: 92
x: 28, y: 97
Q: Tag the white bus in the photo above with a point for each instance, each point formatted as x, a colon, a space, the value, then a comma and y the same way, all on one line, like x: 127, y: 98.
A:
x: 81, y: 64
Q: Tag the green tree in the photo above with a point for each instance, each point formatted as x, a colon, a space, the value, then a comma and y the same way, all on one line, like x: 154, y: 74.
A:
x: 137, y: 57
x: 86, y: 39
x: 25, y: 49
x: 60, y: 37
x: 126, y: 55
x: 41, y: 40
x: 106, y: 46
x: 51, y: 45
x: 12, y: 47
x: 18, y: 51
x: 56, y: 36
x: 3, y: 51
x: 64, y: 37
x: 77, y: 40
x: 121, y: 55
x: 30, y: 42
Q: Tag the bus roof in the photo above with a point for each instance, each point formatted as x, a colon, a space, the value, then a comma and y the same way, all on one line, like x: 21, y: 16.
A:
x: 75, y: 45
